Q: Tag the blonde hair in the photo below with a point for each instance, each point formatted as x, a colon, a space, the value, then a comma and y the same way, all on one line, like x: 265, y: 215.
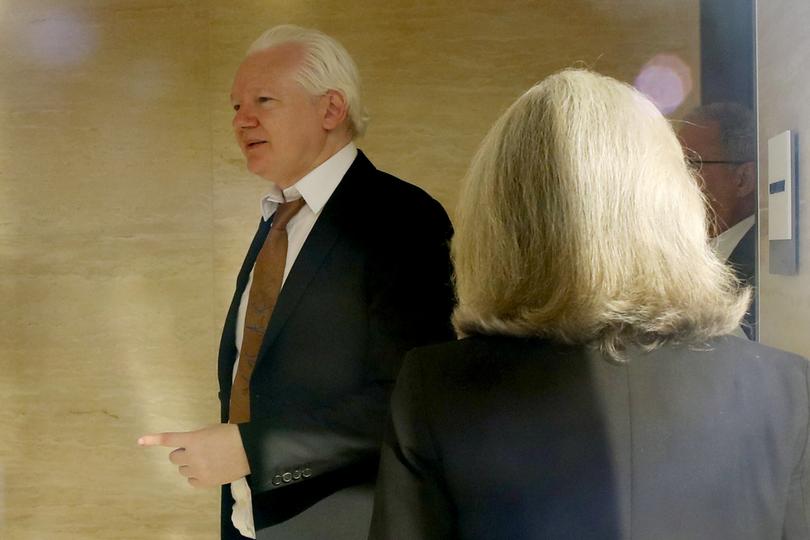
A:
x: 580, y: 221
x: 327, y: 66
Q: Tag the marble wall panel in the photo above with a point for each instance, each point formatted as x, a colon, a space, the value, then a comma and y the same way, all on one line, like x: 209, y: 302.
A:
x: 125, y: 208
x: 783, y: 37
x: 106, y: 325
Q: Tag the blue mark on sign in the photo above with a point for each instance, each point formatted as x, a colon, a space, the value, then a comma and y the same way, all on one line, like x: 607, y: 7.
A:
x: 776, y: 187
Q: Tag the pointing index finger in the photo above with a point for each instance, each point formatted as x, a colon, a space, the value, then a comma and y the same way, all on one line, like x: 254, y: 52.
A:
x: 169, y: 439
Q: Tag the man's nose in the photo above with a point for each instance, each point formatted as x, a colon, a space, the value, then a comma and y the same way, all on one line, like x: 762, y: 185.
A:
x: 244, y: 118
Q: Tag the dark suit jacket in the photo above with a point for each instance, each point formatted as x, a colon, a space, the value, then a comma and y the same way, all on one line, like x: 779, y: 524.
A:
x: 523, y: 439
x: 371, y: 282
x: 743, y: 260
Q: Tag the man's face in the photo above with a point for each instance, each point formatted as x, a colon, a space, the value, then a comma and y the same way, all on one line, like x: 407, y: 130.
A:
x: 278, y: 125
x: 721, y: 182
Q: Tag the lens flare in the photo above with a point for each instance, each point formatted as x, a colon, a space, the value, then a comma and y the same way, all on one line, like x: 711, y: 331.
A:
x: 666, y: 80
x: 60, y: 38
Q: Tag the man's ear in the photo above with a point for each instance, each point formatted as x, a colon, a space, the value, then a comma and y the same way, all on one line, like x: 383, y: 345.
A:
x: 746, y: 176
x: 335, y: 111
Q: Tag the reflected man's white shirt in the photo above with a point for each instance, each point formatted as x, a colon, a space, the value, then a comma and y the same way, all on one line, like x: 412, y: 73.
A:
x: 316, y: 188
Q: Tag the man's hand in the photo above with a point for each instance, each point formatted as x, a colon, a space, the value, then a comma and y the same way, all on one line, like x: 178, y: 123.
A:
x: 208, y: 457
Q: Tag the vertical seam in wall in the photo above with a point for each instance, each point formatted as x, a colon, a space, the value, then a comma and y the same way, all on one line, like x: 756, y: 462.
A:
x: 211, y: 177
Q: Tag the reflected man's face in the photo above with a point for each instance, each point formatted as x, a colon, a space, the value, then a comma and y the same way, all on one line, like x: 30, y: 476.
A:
x: 725, y: 184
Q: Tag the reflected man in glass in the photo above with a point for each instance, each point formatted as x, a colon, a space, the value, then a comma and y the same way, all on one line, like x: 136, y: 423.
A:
x: 720, y: 141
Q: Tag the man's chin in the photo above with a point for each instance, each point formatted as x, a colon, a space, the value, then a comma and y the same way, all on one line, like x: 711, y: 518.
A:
x: 263, y: 171
x: 273, y: 179
x: 258, y: 170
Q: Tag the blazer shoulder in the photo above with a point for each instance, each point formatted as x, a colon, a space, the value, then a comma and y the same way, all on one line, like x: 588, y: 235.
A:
x: 385, y: 186
x: 480, y: 358
x: 753, y: 351
x: 478, y: 345
x: 448, y: 351
x: 404, y: 195
x: 761, y: 369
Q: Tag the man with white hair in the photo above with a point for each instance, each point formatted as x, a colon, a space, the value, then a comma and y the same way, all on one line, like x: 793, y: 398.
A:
x: 349, y: 269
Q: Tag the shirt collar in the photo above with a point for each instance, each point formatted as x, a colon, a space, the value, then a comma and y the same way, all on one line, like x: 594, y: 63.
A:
x: 726, y: 241
x: 316, y: 186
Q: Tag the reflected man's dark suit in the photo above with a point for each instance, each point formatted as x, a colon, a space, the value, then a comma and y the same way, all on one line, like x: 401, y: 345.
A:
x: 371, y: 281
x: 743, y: 260
x: 506, y: 438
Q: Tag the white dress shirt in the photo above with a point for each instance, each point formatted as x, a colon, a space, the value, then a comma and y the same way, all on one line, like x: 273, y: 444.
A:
x: 316, y: 188
x: 726, y: 241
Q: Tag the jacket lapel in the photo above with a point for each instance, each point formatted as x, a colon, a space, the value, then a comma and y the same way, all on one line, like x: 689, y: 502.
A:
x: 321, y: 239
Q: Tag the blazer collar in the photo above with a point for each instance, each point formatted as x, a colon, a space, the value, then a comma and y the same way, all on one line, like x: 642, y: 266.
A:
x: 323, y: 236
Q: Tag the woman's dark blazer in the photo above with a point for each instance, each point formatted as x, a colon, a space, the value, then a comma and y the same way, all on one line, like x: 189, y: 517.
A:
x: 495, y: 437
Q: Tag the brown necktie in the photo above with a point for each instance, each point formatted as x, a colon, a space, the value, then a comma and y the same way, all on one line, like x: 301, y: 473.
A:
x: 268, y: 273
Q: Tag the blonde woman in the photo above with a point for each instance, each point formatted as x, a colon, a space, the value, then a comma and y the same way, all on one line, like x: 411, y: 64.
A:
x: 595, y: 392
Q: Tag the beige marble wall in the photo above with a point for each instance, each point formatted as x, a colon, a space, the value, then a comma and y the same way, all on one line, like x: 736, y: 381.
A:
x: 125, y: 209
x: 783, y: 39
x: 105, y: 266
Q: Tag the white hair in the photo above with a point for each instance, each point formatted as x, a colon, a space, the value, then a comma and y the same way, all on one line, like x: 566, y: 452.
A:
x: 580, y: 221
x: 326, y: 66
